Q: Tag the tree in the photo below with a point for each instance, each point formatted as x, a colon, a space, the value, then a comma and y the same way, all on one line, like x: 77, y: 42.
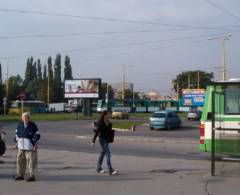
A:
x: 39, y: 70
x: 67, y: 69
x: 57, y: 86
x: 0, y: 74
x: 50, y: 77
x: 190, y: 79
x: 28, y: 71
x: 104, y: 91
x: 14, y: 87
x: 45, y: 72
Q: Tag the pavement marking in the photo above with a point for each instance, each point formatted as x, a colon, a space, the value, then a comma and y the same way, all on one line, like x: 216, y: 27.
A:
x: 167, y: 140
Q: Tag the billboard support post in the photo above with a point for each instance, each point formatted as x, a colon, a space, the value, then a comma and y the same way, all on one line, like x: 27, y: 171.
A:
x: 88, y: 107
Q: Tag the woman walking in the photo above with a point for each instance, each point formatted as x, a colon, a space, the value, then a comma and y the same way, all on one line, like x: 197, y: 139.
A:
x: 104, y: 127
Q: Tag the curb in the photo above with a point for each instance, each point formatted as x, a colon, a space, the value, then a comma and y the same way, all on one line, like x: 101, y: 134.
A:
x: 140, y: 139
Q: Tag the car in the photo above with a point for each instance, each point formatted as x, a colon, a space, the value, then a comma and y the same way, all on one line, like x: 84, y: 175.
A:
x: 194, y: 115
x: 119, y: 114
x: 164, y: 120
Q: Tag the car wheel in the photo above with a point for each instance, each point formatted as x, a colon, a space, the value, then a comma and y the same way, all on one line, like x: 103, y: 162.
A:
x: 151, y: 128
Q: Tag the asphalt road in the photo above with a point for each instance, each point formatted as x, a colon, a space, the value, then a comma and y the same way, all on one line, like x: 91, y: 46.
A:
x: 76, y: 136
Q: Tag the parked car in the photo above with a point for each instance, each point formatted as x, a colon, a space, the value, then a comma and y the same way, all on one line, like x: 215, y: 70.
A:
x: 194, y: 115
x: 164, y: 120
x: 119, y: 114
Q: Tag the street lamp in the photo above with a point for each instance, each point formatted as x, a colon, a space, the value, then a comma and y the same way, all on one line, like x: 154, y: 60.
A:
x: 124, y: 67
x: 223, y: 38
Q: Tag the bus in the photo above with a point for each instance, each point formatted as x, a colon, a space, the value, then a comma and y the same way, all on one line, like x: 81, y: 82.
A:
x: 139, y: 106
x: 221, y: 118
x: 17, y: 107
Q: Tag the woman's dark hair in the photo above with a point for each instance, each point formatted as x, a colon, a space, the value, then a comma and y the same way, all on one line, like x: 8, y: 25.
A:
x: 101, y: 119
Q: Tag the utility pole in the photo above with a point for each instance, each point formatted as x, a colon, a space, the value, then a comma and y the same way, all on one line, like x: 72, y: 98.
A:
x: 48, y: 88
x: 224, y: 76
x: 189, y: 81
x: 123, y: 80
x: 7, y: 83
x: 198, y: 79
x: 223, y: 60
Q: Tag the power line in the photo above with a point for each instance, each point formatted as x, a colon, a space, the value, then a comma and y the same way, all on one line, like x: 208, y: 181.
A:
x: 110, y: 19
x: 86, y: 33
x: 96, y: 33
x: 115, y: 46
x: 222, y: 9
x: 122, y: 53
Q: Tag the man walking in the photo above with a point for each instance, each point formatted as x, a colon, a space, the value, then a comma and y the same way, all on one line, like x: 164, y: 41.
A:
x: 27, y: 136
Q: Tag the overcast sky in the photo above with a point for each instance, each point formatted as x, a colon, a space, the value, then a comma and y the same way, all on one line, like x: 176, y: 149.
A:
x: 155, y: 39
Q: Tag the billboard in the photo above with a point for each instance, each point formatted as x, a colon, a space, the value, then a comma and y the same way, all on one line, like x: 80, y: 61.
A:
x: 193, y: 97
x: 82, y: 88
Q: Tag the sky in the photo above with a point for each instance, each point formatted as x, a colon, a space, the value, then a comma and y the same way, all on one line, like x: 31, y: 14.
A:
x: 155, y: 39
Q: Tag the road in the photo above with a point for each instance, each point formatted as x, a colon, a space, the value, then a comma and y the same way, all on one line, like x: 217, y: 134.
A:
x: 76, y: 136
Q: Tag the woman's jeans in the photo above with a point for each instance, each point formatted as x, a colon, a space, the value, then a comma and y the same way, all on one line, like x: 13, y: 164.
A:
x: 104, y: 151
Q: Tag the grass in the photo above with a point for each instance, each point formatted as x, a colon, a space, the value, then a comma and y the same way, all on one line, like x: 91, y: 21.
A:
x: 48, y: 117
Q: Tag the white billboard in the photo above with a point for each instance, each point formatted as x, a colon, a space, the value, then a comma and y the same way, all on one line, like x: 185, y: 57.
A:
x: 82, y: 88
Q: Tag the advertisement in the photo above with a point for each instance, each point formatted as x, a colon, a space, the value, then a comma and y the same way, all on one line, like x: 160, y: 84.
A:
x: 193, y: 97
x: 82, y: 88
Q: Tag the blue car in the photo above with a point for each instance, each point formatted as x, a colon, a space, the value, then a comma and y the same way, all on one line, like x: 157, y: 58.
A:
x: 164, y: 120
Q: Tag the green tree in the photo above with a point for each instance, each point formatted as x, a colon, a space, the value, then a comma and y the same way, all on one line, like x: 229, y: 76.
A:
x: 14, y: 87
x: 34, y: 71
x: 67, y: 69
x: 104, y: 91
x: 45, y: 72
x: 0, y: 74
x: 191, y: 79
x: 28, y: 72
x: 1, y: 89
x: 39, y: 70
x: 57, y: 86
x: 50, y: 77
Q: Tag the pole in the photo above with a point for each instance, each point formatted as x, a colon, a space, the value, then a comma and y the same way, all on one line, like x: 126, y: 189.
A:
x: 22, y: 106
x: 189, y: 81
x: 7, y: 83
x: 123, y: 81
x: 213, y: 136
x: 5, y: 105
x: 198, y: 80
x: 223, y: 60
x: 48, y: 89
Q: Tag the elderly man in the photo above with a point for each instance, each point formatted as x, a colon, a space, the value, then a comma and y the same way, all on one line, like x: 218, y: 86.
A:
x: 27, y: 136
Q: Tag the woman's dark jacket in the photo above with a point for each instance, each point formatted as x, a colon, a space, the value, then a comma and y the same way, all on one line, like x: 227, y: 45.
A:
x: 102, y: 131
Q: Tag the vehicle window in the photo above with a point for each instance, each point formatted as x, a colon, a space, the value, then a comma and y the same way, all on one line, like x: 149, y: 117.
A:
x: 158, y: 115
x: 232, y: 101
x: 15, y: 105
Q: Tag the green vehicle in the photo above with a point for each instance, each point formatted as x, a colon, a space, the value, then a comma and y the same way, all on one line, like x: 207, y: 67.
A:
x: 221, y: 118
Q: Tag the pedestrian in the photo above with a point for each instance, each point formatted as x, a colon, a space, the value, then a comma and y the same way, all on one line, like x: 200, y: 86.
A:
x: 104, y: 126
x: 27, y: 136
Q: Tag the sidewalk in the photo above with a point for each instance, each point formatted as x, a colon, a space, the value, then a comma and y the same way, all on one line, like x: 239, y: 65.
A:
x: 70, y: 173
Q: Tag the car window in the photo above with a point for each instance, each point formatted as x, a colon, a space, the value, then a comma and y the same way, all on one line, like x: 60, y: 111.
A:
x: 158, y: 115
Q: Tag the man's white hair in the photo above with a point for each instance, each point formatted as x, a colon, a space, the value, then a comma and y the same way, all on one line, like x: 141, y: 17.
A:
x: 26, y: 114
